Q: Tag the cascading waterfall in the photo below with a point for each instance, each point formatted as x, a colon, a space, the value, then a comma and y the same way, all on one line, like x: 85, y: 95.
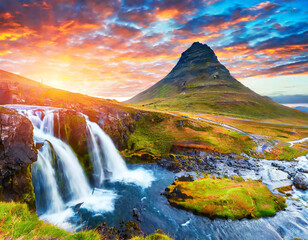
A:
x: 58, y: 178
x: 109, y: 162
x: 46, y: 184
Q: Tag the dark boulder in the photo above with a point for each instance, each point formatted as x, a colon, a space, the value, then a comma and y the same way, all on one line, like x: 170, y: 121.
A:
x: 300, y: 181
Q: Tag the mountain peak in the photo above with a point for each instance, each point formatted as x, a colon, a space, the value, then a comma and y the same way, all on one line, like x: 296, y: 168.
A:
x: 198, y: 52
x: 197, y: 46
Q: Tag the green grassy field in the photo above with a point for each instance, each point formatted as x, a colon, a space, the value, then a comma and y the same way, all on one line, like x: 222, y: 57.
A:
x: 158, y: 134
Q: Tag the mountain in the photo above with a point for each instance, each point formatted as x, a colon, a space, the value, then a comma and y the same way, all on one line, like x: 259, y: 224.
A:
x: 302, y: 108
x: 287, y: 99
x: 200, y: 83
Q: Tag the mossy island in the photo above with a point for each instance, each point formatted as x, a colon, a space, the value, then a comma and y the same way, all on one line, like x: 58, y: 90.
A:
x: 217, y: 197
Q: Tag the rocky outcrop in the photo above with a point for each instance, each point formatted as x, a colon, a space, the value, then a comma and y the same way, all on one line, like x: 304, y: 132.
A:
x: 300, y: 181
x: 71, y: 127
x: 17, y: 153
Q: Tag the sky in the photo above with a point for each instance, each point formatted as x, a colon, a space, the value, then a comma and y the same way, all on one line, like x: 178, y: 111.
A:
x: 116, y: 49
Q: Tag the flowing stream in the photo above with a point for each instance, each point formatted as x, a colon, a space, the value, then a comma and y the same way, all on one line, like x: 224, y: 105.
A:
x: 61, y: 186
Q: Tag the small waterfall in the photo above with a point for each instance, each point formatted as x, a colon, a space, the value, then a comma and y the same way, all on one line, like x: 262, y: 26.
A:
x: 58, y: 178
x: 46, y: 184
x: 98, y: 173
x: 76, y: 180
x: 104, y: 149
x: 109, y: 161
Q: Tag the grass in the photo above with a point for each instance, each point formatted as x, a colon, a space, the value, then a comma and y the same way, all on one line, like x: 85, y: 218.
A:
x: 225, y: 198
x: 158, y: 134
x: 226, y: 103
x: 155, y: 236
x: 151, y: 136
x: 272, y: 129
x: 18, y: 222
x: 284, y: 153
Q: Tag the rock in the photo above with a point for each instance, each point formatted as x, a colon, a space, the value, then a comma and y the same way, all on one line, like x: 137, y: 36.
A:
x: 38, y: 145
x: 279, y: 165
x: 303, y: 170
x: 181, y: 124
x: 17, y: 150
x: 17, y: 153
x: 300, y: 181
x: 146, y: 157
x: 244, y: 155
x: 77, y: 207
x: 188, y: 178
x: 175, y: 193
x: 136, y: 214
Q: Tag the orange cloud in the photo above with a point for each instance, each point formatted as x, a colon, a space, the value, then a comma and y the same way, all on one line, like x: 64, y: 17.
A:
x: 15, y: 34
x: 167, y: 14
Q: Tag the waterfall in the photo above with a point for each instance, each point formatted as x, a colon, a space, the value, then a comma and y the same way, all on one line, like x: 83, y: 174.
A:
x: 58, y: 178
x: 46, y: 184
x: 76, y: 182
x: 110, y: 164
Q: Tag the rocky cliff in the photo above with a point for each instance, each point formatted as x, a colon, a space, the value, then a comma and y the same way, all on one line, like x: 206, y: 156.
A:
x: 17, y: 153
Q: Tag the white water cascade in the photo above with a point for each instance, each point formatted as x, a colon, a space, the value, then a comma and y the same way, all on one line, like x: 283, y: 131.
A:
x: 58, y: 178
x: 109, y: 162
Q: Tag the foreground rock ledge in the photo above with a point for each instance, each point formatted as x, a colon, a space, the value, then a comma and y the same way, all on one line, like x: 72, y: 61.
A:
x: 17, y: 153
x: 224, y: 198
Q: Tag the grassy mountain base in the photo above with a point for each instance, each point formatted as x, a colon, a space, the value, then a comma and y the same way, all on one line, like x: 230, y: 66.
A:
x: 232, y: 104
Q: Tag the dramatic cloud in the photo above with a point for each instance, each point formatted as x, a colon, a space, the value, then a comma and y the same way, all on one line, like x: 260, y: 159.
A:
x: 119, y: 48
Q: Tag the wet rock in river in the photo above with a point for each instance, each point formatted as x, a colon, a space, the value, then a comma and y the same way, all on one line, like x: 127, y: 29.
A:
x: 300, y: 181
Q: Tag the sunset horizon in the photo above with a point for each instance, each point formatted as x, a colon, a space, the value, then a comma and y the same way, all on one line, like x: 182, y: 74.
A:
x: 119, y: 49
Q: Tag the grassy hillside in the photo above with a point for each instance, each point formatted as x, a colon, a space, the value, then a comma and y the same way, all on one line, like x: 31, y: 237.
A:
x: 199, y: 83
x: 21, y: 90
x: 159, y: 134
x: 143, y: 130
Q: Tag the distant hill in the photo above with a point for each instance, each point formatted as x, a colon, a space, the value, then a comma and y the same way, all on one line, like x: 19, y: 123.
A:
x: 302, y: 108
x: 200, y: 83
x: 288, y: 99
x: 15, y: 89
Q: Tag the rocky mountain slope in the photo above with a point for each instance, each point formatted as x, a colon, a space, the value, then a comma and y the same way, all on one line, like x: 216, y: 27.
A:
x: 200, y: 83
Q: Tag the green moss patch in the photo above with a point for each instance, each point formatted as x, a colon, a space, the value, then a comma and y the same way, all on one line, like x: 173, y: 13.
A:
x: 225, y: 198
